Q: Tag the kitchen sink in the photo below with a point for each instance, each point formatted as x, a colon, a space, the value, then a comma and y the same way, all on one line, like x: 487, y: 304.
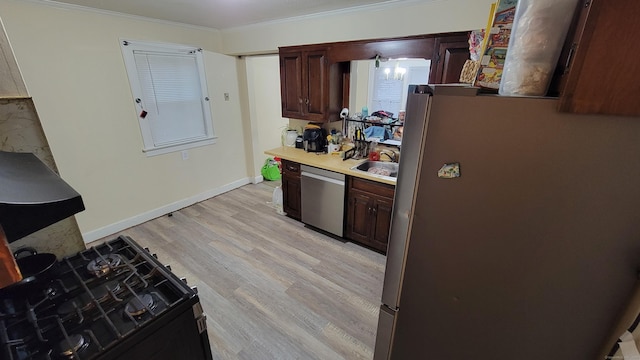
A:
x: 378, y: 168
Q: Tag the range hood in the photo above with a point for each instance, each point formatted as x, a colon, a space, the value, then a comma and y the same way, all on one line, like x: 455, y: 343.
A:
x: 32, y: 196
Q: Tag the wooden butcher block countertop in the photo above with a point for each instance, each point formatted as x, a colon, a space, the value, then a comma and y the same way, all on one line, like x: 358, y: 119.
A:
x: 325, y: 161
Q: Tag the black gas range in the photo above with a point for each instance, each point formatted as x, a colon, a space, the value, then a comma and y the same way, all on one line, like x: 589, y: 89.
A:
x: 112, y: 301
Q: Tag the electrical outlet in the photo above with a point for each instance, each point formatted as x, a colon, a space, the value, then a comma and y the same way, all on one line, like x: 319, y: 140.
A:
x: 226, y: 96
x: 185, y: 154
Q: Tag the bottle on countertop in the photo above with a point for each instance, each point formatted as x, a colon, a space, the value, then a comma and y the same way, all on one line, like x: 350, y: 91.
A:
x: 374, y: 154
x: 365, y: 112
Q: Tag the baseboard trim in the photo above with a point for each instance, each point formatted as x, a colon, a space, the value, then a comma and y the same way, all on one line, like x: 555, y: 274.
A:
x: 152, y: 214
x: 258, y: 179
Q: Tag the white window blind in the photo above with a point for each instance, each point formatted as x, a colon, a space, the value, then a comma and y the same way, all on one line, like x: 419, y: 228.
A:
x: 169, y: 90
x: 388, y: 87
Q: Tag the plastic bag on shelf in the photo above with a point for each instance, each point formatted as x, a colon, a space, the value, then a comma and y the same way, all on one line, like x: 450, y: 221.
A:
x: 538, y: 33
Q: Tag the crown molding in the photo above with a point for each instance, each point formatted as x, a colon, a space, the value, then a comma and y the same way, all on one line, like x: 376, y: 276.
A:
x: 387, y: 5
x: 66, y: 6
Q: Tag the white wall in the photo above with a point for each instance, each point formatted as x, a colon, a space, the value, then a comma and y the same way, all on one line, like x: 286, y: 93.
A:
x: 359, y: 86
x: 11, y: 83
x: 73, y: 68
x: 390, y: 20
x: 411, y: 18
x: 263, y: 83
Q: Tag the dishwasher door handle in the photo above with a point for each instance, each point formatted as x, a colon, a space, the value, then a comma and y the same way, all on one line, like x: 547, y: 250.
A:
x: 322, y: 178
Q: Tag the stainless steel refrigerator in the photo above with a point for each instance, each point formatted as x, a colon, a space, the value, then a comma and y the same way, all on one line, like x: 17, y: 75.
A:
x: 531, y: 252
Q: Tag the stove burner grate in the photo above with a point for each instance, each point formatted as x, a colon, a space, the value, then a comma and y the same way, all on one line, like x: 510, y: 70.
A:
x: 99, y: 303
x: 104, y: 265
x: 72, y: 345
x: 105, y: 291
x: 139, y: 305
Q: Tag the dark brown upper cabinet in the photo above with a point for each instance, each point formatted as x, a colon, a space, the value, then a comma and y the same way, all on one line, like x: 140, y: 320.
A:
x: 601, y: 68
x: 448, y: 61
x: 314, y: 79
x: 311, y: 87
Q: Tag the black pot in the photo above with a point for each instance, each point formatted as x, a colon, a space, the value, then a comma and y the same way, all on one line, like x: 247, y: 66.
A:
x: 36, y: 269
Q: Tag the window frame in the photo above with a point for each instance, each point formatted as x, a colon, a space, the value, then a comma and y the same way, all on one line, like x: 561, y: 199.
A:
x: 413, y: 67
x: 129, y: 49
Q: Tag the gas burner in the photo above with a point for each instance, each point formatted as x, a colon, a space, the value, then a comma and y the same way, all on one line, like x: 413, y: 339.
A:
x: 73, y: 344
x: 102, y: 303
x: 105, y: 291
x: 84, y: 302
x: 103, y: 265
x: 139, y: 305
x: 67, y: 308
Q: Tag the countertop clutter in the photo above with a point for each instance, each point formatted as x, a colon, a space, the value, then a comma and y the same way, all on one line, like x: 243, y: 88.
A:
x: 327, y: 162
x: 367, y: 197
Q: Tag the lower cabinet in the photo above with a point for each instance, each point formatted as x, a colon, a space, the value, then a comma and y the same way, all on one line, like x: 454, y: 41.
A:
x: 291, y: 189
x: 369, y: 204
x: 369, y: 207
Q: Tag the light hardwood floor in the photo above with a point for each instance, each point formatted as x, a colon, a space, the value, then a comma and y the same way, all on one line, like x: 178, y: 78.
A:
x: 271, y: 288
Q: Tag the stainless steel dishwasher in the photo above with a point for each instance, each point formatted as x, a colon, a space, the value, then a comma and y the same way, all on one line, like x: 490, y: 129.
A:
x: 322, y: 193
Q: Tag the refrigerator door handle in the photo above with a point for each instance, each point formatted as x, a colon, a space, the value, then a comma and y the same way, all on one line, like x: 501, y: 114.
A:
x: 384, y: 336
x: 417, y: 118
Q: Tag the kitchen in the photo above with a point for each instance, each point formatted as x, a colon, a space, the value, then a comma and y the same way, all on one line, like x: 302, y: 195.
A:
x: 104, y: 136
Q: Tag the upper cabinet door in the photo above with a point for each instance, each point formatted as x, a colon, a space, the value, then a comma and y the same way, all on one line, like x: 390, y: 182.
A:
x: 316, y: 85
x: 311, y: 87
x: 448, y: 59
x: 315, y: 79
x: 603, y: 75
x: 291, y: 83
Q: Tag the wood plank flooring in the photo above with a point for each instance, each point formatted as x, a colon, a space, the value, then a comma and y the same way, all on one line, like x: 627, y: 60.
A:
x: 271, y: 288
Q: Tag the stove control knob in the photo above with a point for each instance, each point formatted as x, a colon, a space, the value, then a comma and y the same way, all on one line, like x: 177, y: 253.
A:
x: 184, y: 280
x: 168, y: 267
x: 154, y: 255
x: 147, y: 249
x: 195, y: 289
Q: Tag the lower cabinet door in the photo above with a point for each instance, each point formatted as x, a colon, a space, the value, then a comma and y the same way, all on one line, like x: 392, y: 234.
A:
x: 359, y: 217
x: 382, y: 223
x: 369, y: 216
x: 291, y: 196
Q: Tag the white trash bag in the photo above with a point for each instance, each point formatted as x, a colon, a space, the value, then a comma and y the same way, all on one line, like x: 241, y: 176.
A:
x: 277, y: 200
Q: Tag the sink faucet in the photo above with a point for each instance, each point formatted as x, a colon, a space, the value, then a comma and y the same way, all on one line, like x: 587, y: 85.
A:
x: 390, y: 154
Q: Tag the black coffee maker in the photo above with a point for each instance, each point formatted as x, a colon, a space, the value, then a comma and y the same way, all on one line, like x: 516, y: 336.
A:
x: 314, y: 140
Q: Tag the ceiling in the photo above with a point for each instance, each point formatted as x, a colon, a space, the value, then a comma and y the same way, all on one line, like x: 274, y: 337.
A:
x: 223, y: 14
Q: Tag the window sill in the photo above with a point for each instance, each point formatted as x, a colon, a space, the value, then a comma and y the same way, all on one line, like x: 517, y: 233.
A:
x: 174, y: 148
